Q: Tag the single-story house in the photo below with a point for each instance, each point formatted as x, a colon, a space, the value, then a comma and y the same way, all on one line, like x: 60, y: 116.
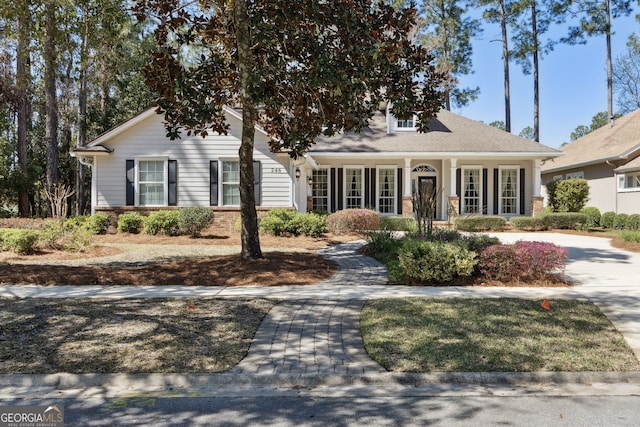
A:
x: 477, y: 169
x: 609, y: 159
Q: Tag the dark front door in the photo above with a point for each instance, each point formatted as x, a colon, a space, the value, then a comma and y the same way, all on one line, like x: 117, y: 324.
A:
x: 428, y: 183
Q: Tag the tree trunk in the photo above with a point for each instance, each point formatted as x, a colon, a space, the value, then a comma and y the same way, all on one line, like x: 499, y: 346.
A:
x: 249, y: 233
x: 22, y: 81
x: 536, y: 94
x: 609, y: 64
x: 51, y: 109
x: 82, y: 112
x: 505, y: 61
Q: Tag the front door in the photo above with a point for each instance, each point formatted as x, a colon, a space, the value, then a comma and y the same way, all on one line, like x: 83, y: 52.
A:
x: 430, y: 183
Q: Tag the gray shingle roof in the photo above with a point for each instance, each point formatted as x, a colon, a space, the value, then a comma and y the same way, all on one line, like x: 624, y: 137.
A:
x: 617, y: 142
x: 449, y: 133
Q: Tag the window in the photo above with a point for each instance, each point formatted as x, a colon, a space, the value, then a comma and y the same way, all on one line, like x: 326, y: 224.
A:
x: 386, y: 190
x: 575, y: 175
x: 408, y: 124
x: 320, y: 190
x: 472, y: 189
x: 231, y: 183
x: 151, y: 183
x: 629, y: 181
x: 353, y: 188
x: 509, y: 191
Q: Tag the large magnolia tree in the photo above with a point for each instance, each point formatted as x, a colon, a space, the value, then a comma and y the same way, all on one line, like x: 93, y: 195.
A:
x: 299, y: 68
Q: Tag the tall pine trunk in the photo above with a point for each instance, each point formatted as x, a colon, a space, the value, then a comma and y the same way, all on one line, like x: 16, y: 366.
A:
x: 249, y: 233
x: 51, y: 109
x: 536, y: 85
x: 609, y: 64
x: 505, y: 62
x: 82, y: 113
x: 22, y: 81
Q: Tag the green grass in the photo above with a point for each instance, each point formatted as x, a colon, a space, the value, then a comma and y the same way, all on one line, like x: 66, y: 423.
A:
x: 191, y: 335
x: 492, y: 335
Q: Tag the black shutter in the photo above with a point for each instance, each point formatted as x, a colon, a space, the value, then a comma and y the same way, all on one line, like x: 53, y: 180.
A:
x: 496, y: 191
x: 340, y: 189
x: 334, y: 191
x: 522, y: 191
x: 459, y: 189
x: 399, y: 196
x: 257, y: 169
x: 131, y: 182
x: 374, y: 192
x: 485, y: 190
x: 173, y: 182
x: 213, y: 183
x: 367, y: 187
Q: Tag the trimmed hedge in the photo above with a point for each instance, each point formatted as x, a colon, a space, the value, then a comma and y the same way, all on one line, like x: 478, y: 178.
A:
x: 193, y: 219
x: 633, y: 223
x: 607, y: 219
x: 593, y: 216
x: 620, y: 221
x: 130, y: 222
x: 480, y: 223
x: 394, y: 223
x: 435, y: 261
x: 564, y: 220
x: 286, y: 221
x: 162, y: 222
x: 528, y: 223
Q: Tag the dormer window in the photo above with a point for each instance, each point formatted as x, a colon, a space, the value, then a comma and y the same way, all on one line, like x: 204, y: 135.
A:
x: 405, y: 124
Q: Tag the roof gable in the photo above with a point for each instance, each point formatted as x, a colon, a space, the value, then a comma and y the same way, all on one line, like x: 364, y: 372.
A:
x: 448, y: 133
x: 608, y: 143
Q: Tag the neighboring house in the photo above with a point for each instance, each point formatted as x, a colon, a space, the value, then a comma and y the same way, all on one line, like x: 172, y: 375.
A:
x: 476, y: 168
x: 609, y: 159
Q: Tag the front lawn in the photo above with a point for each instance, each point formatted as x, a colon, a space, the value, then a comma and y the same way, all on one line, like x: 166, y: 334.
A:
x: 190, y: 335
x: 492, y: 335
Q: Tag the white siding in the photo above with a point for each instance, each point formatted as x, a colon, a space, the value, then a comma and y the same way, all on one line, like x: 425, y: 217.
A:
x: 193, y: 155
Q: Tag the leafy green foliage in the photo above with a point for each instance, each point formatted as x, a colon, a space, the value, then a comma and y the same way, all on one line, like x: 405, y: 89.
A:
x: 193, y: 219
x: 633, y: 223
x: 593, y: 216
x: 162, y: 222
x: 435, y: 262
x: 620, y: 221
x: 19, y: 241
x: 568, y: 195
x: 564, y: 220
x: 130, y: 222
x: 286, y: 221
x: 607, y: 219
x: 630, y: 236
x: 480, y: 223
x: 394, y: 223
x: 528, y: 223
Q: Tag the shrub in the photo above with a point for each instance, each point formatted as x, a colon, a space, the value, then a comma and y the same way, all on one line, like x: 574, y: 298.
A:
x: 607, y: 219
x: 162, y: 222
x: 630, y: 236
x: 525, y: 261
x: 72, y: 235
x: 308, y: 224
x: 130, y: 222
x: 633, y: 223
x: 480, y: 223
x: 478, y: 242
x: 593, y: 216
x: 393, y: 223
x: 564, y: 220
x: 381, y: 242
x: 620, y: 221
x: 353, y: 221
x: 273, y: 225
x: 98, y: 223
x: 528, y: 223
x: 568, y: 195
x: 194, y: 219
x: 435, y: 261
x: 19, y: 241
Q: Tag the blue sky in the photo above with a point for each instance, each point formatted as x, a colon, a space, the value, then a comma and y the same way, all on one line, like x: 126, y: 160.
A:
x: 573, y: 83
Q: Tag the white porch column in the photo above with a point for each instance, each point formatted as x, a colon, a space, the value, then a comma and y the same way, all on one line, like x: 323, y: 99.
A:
x: 452, y: 170
x: 407, y: 178
x: 537, y: 178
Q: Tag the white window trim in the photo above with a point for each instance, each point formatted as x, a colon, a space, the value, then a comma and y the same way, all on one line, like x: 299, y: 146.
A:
x: 623, y: 177
x: 557, y: 177
x: 328, y: 169
x: 480, y: 184
x: 221, y: 182
x: 404, y: 129
x: 165, y: 176
x: 518, y: 183
x: 395, y: 188
x: 344, y: 184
